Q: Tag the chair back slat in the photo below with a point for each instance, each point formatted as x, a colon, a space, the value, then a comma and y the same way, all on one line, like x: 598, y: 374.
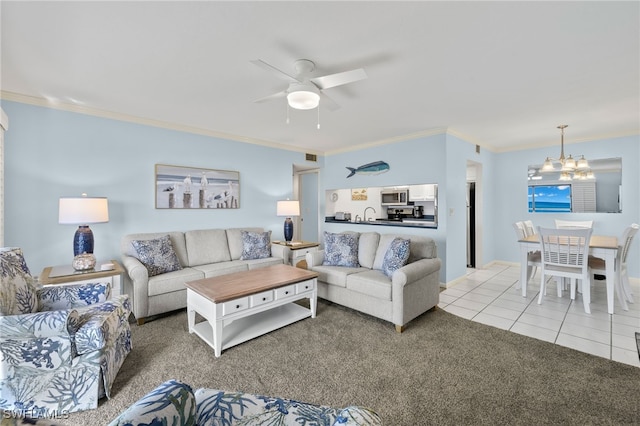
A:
x: 529, y: 228
x: 573, y: 224
x: 568, y: 248
x: 520, y: 230
x: 625, y: 242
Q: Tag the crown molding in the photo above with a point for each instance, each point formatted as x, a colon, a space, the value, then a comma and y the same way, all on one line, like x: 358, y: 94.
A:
x: 80, y: 109
x: 395, y: 139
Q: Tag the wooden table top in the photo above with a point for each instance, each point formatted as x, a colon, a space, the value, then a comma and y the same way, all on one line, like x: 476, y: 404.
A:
x: 596, y: 241
x: 64, y: 274
x: 297, y: 244
x: 239, y: 284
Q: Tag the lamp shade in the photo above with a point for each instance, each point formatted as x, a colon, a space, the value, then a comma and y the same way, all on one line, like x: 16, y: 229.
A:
x: 83, y: 210
x: 288, y: 208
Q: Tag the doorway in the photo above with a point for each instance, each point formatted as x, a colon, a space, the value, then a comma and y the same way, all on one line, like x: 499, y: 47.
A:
x: 474, y: 214
x: 471, y: 224
x: 306, y: 186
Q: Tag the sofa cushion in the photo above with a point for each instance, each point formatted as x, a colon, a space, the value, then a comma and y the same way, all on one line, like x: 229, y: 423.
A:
x: 341, y: 249
x: 222, y: 268
x: 335, y: 275
x: 234, y: 239
x: 367, y: 247
x: 171, y: 403
x: 371, y: 282
x: 18, y: 289
x: 383, y: 246
x: 262, y: 263
x: 255, y: 245
x: 421, y: 247
x: 396, y: 256
x: 157, y: 255
x: 172, y: 281
x: 207, y: 246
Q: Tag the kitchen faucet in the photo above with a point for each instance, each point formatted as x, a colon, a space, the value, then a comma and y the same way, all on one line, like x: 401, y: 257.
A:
x: 365, y: 212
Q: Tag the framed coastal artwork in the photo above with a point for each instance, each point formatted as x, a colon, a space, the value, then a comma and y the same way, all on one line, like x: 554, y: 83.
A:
x: 359, y: 194
x: 180, y: 187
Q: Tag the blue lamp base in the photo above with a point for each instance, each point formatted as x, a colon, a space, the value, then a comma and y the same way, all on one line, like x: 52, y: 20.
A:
x: 288, y: 229
x: 83, y: 240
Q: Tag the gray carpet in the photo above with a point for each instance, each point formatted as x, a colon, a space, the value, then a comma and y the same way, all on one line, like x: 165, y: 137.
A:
x: 442, y: 370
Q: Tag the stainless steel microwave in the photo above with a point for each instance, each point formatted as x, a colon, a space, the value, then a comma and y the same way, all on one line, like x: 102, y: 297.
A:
x: 394, y: 197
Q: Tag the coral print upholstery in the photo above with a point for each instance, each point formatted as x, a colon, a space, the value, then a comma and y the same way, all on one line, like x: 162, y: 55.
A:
x: 65, y: 355
x: 174, y: 403
x: 18, y: 291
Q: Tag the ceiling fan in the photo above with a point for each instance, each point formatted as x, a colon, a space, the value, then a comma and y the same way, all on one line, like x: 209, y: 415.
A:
x: 305, y: 92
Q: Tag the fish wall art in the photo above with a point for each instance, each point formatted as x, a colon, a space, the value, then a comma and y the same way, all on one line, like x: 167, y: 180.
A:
x: 374, y: 168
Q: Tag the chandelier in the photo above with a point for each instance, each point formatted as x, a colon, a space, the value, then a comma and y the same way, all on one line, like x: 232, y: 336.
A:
x: 569, y: 167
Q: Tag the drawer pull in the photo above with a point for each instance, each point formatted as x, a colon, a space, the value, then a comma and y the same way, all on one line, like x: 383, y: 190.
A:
x: 286, y: 292
x: 237, y: 306
x: 264, y: 298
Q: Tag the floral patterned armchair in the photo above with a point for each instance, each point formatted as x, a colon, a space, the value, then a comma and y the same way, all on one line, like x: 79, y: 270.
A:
x: 61, y: 347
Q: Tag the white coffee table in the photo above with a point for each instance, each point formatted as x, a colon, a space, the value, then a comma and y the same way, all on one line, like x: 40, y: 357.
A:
x: 241, y: 306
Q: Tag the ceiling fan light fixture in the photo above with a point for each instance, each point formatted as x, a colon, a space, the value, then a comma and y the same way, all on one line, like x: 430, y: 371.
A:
x: 303, y: 96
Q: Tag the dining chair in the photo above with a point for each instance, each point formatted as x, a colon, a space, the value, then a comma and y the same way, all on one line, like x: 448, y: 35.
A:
x: 565, y: 254
x: 569, y: 224
x: 530, y: 229
x: 622, y: 286
x: 533, y: 257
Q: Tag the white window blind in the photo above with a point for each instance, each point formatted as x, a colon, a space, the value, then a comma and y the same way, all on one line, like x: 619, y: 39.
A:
x: 583, y: 196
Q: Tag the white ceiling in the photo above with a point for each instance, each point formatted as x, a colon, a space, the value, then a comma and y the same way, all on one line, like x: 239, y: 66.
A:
x: 499, y: 74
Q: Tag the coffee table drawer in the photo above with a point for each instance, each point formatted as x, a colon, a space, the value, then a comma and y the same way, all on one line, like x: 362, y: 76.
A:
x: 261, y: 298
x: 304, y: 286
x: 235, y: 305
x: 287, y: 291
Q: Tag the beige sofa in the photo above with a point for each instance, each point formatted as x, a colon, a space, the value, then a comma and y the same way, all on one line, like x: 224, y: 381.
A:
x: 201, y: 253
x: 412, y: 290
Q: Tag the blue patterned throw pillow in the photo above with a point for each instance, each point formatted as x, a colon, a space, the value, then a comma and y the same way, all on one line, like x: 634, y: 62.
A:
x: 341, y: 249
x: 255, y: 245
x: 157, y: 255
x: 396, y: 256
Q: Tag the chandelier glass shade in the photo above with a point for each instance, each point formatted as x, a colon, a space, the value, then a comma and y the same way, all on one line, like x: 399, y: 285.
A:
x: 568, y: 165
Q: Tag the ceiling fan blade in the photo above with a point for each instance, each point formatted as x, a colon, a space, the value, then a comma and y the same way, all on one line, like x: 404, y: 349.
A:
x: 338, y: 79
x: 326, y: 101
x: 262, y: 64
x: 272, y: 96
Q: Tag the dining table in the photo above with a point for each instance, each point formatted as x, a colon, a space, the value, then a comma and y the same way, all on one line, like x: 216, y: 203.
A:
x: 601, y: 246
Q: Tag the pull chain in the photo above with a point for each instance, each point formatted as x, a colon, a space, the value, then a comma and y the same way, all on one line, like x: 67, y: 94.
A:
x: 318, y: 117
x: 288, y: 113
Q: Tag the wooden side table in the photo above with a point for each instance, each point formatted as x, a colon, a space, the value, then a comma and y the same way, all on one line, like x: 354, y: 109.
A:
x: 65, y: 274
x: 297, y: 252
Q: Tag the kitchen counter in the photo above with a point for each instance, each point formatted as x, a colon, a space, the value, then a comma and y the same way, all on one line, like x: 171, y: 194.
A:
x: 427, y: 222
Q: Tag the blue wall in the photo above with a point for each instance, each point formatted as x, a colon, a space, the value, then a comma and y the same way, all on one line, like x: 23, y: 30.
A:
x: 510, y: 190
x: 51, y: 153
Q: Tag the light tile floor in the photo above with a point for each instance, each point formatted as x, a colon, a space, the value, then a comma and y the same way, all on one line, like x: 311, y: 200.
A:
x: 491, y: 296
